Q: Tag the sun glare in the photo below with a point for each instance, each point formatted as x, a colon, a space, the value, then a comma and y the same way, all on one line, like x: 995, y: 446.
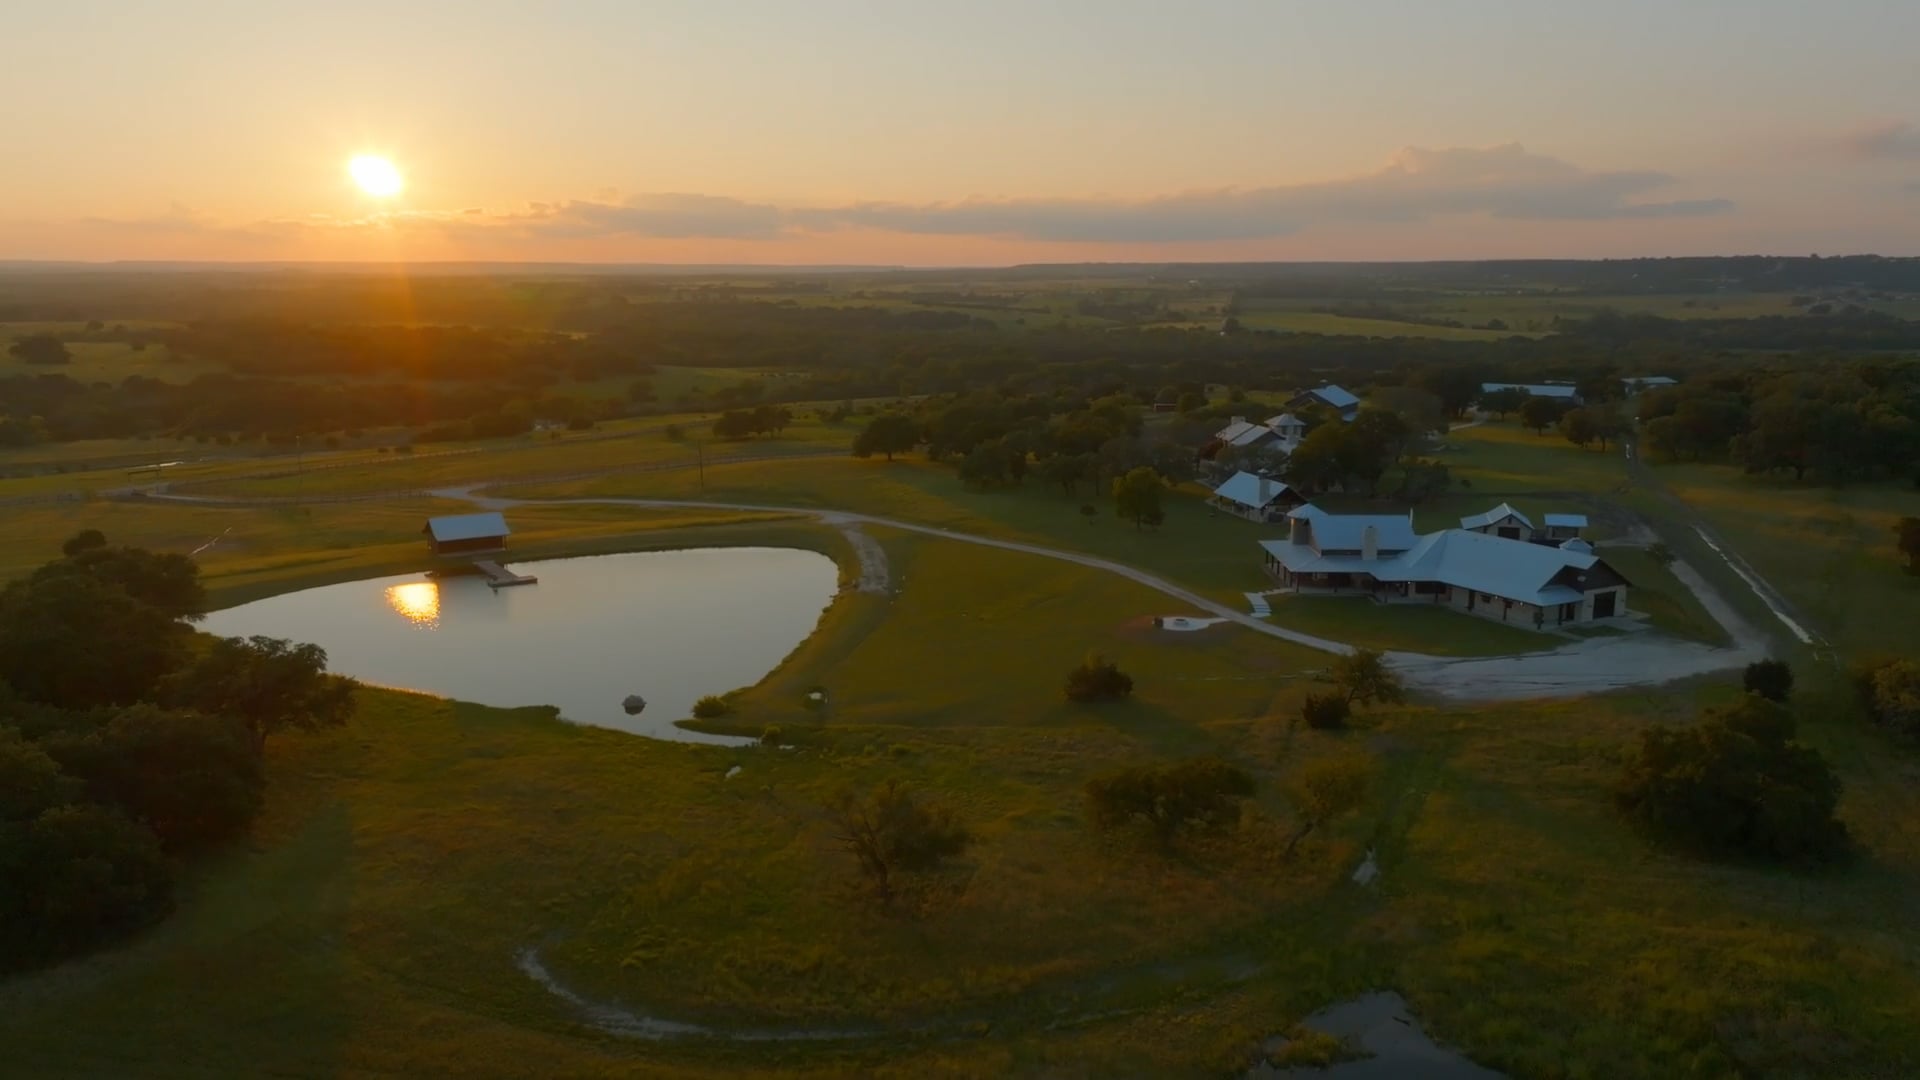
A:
x: 376, y: 176
x: 418, y: 602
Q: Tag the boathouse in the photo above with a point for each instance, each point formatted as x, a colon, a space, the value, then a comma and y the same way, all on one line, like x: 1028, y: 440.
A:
x: 467, y: 534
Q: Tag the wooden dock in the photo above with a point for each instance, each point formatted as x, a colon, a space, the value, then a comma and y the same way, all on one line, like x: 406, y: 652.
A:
x: 499, y: 577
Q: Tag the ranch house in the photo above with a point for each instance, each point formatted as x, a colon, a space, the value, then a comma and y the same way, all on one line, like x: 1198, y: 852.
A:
x: 1340, y: 400
x: 1485, y: 574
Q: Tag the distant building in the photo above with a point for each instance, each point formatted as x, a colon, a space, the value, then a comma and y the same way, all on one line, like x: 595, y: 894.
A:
x: 1563, y: 527
x: 1492, y: 576
x: 1256, y: 498
x: 1343, y: 403
x: 1555, y: 391
x: 1290, y: 428
x: 1241, y: 432
x: 1647, y: 382
x: 466, y: 534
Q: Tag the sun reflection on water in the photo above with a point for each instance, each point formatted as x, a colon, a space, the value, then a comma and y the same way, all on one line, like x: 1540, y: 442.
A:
x: 418, y: 602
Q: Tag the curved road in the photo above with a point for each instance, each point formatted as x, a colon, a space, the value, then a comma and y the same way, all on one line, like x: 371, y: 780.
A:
x: 1578, y: 668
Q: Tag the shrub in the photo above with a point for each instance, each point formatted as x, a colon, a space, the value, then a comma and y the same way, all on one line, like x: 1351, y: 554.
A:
x: 1363, y: 675
x: 1771, y: 679
x: 711, y: 706
x: 1734, y: 784
x: 1324, y: 712
x: 891, y: 831
x: 770, y: 735
x: 1323, y: 790
x: 1191, y: 796
x: 1098, y: 679
x: 1890, y: 693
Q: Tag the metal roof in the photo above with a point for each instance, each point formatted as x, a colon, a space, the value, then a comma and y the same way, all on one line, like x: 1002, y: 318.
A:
x: 467, y: 526
x: 1510, y: 569
x: 1242, y: 433
x: 1498, y: 513
x: 1347, y: 532
x: 1285, y: 419
x: 1576, y: 521
x: 1336, y: 396
x: 1248, y: 489
x: 1545, y: 390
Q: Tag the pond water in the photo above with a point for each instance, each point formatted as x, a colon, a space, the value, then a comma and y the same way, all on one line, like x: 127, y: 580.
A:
x: 670, y: 626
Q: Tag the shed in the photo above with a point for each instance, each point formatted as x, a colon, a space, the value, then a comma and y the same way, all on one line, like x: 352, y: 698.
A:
x: 1565, y: 526
x: 1503, y: 521
x: 465, y: 534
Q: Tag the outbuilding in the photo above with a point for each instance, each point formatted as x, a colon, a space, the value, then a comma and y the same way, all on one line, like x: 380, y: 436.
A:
x: 467, y: 534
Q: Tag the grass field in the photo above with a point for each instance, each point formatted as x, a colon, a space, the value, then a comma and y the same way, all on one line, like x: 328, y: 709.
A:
x: 1830, y: 551
x: 1502, y: 458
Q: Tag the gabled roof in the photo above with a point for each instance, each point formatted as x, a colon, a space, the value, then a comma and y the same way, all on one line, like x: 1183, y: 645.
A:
x: 1545, y: 390
x: 1285, y: 419
x: 1248, y: 489
x: 1576, y: 544
x: 1511, y: 569
x: 1347, y: 532
x: 1498, y: 513
x: 1336, y: 396
x: 1242, y: 433
x: 1650, y: 380
x: 1575, y: 521
x: 466, y: 527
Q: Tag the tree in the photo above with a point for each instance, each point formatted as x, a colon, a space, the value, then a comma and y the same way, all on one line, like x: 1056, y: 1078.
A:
x: 1771, y: 679
x: 1136, y: 495
x: 889, y: 434
x: 1908, y: 533
x: 1502, y: 402
x: 1324, y: 712
x: 267, y: 684
x: 1890, y: 693
x: 1578, y: 427
x: 72, y: 640
x: 168, y: 582
x: 1089, y: 511
x: 39, y: 349
x: 1098, y: 679
x: 986, y: 466
x: 1192, y: 403
x: 1539, y: 413
x: 195, y: 780
x: 30, y: 781
x: 87, y: 874
x: 890, y: 831
x: 1363, y: 676
x: 1322, y: 791
x: 1734, y: 784
x: 83, y: 541
x: 1192, y: 796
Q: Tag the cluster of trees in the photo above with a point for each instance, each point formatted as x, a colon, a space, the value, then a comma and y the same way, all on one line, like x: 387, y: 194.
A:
x: 1359, y: 456
x: 1837, y: 423
x: 126, y: 744
x: 1735, y: 783
x: 1359, y: 676
x: 737, y: 424
x: 39, y: 349
x: 1889, y: 694
x: 1098, y: 679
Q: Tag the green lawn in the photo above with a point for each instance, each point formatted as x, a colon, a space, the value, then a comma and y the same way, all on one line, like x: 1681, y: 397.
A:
x: 1669, y: 605
x: 1829, y: 550
x: 372, y: 924
x: 1313, y: 322
x: 1408, y: 627
x: 1502, y: 458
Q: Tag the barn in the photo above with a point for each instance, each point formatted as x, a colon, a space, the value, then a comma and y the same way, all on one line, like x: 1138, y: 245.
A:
x: 467, y: 534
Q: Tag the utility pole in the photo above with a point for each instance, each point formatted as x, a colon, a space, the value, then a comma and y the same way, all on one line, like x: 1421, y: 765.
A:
x: 700, y: 463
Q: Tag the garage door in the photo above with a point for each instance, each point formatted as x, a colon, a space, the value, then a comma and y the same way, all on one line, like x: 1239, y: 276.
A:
x: 1603, y: 604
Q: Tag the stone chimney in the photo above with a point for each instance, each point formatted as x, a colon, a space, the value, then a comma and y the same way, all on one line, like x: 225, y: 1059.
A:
x: 1369, y: 543
x: 1266, y: 489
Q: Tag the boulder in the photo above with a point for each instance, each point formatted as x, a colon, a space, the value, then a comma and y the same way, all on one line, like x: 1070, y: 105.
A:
x: 633, y: 704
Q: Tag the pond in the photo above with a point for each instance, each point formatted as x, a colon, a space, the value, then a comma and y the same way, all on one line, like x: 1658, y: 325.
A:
x: 670, y: 626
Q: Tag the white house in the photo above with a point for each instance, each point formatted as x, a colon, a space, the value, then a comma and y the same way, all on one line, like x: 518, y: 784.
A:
x: 1341, y: 401
x: 1503, y: 521
x: 1556, y: 391
x: 1491, y: 576
x: 1254, y: 497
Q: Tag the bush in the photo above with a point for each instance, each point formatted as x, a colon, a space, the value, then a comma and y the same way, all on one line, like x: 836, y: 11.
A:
x: 891, y: 831
x: 1325, y: 712
x: 1098, y: 679
x: 711, y: 706
x: 1889, y: 692
x: 1193, y: 796
x: 1771, y: 679
x: 1734, y: 784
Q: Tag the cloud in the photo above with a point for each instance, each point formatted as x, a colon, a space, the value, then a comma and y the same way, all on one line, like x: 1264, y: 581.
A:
x: 1417, y: 185
x: 1891, y: 139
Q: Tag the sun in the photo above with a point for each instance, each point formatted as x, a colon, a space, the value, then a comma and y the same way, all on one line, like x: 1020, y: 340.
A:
x: 376, y: 176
